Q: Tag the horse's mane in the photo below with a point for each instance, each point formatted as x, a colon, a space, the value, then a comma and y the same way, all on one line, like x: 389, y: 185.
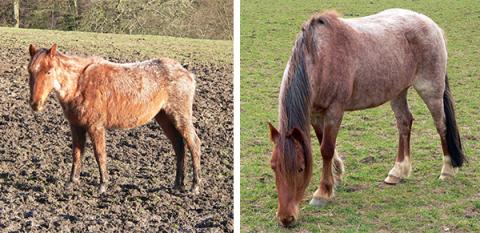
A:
x: 295, y: 96
x: 295, y: 105
x: 92, y: 59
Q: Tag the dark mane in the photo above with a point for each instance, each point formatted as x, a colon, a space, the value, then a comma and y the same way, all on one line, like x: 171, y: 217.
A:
x: 296, y: 99
x: 295, y: 104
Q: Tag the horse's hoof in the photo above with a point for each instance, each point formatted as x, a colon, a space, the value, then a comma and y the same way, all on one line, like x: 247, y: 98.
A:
x: 195, y: 190
x: 179, y: 187
x: 392, y: 180
x: 337, y: 180
x: 445, y: 176
x: 69, y: 186
x: 318, y: 202
x: 102, y: 189
x: 196, y: 186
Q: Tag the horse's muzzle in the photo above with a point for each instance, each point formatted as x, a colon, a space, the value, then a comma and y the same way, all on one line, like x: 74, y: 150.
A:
x: 287, y: 221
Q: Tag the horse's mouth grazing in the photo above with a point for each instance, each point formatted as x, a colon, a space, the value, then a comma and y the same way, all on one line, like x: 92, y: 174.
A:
x: 288, y: 222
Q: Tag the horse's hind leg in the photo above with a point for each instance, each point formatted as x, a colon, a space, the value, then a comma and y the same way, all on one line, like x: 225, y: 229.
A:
x: 182, y: 118
x: 186, y: 128
x: 436, y: 95
x: 404, y: 118
x: 435, y: 105
x: 78, y: 148
x: 178, y: 146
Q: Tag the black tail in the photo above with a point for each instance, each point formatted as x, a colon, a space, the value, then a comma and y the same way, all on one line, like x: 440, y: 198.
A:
x: 454, y: 143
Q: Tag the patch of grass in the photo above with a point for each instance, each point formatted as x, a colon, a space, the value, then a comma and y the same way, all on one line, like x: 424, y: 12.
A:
x: 185, y: 50
x: 368, y: 138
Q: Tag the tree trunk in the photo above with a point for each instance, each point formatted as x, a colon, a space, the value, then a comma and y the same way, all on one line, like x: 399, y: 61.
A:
x: 75, y: 14
x: 75, y: 8
x: 16, y: 12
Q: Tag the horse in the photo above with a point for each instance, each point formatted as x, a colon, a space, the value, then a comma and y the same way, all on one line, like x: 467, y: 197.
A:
x: 96, y: 95
x: 340, y: 65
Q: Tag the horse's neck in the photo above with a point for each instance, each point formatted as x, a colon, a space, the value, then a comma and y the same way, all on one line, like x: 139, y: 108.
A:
x: 71, y: 68
x: 74, y: 65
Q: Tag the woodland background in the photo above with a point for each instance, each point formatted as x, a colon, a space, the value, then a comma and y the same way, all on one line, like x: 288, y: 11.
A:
x: 205, y: 19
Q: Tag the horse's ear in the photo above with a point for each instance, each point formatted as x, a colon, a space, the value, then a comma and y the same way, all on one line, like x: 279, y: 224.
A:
x: 32, y: 49
x: 53, y: 50
x: 297, y: 134
x: 274, y: 134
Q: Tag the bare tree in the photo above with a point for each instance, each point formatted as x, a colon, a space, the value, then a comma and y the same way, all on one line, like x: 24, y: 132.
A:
x: 16, y: 12
x: 211, y: 19
x: 75, y: 7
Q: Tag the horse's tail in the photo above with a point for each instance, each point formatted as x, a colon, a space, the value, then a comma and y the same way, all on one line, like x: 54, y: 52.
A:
x: 454, y: 144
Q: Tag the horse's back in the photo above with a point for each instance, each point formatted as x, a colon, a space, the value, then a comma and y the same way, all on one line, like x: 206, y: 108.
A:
x: 139, y: 78
x: 391, y: 48
x: 425, y: 40
x: 394, y: 19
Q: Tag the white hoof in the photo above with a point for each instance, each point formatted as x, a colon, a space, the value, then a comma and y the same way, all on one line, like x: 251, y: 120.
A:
x: 318, y: 202
x: 392, y: 180
x: 400, y: 171
x: 448, y: 171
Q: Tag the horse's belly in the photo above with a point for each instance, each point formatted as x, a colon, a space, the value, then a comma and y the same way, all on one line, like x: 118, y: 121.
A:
x: 132, y: 114
x: 359, y: 105
x: 131, y: 118
x: 381, y: 79
x: 377, y: 92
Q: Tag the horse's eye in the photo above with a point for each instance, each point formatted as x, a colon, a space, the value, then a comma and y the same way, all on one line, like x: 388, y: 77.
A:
x: 48, y: 72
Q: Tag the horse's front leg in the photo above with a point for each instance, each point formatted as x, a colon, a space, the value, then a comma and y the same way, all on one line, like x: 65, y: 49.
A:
x: 97, y: 135
x: 78, y: 148
x: 338, y: 168
x: 331, y: 126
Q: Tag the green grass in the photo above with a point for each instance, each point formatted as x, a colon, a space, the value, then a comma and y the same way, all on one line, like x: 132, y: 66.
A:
x: 199, y: 51
x: 422, y: 203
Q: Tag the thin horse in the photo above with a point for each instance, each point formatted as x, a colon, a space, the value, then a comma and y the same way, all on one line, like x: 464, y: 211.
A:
x: 96, y: 95
x: 340, y: 65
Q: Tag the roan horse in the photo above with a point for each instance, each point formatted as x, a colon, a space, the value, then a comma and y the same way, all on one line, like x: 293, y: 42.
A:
x: 340, y: 65
x: 96, y: 95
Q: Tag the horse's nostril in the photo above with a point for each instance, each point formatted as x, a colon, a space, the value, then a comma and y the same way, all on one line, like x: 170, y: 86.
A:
x: 287, y: 220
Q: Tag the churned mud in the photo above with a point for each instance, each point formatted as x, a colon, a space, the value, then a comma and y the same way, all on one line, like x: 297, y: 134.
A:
x: 35, y: 163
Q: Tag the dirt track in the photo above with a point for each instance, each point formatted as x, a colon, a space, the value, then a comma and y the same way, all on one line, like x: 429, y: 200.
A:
x: 35, y: 163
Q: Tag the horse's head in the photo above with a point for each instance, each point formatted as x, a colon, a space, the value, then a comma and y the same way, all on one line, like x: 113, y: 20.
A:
x: 42, y: 75
x: 291, y: 163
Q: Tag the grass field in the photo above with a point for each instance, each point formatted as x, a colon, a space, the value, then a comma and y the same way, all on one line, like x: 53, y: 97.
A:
x: 368, y: 139
x: 185, y: 50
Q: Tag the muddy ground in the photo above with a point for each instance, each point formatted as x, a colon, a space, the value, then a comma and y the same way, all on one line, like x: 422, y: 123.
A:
x: 35, y: 163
